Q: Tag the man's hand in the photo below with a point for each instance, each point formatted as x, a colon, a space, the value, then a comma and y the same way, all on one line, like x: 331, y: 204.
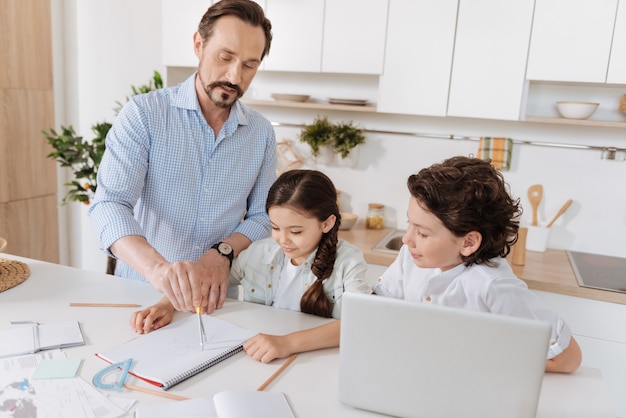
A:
x: 187, y: 285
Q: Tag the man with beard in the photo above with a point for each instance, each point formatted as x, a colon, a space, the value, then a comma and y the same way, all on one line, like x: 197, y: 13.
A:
x: 186, y: 171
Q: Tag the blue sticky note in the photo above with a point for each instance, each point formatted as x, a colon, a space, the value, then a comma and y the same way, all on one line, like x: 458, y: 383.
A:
x: 61, y: 368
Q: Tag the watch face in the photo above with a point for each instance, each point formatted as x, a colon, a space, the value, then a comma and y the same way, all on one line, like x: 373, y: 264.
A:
x: 225, y: 248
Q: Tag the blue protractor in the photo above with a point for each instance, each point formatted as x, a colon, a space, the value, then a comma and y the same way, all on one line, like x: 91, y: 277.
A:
x: 124, y: 366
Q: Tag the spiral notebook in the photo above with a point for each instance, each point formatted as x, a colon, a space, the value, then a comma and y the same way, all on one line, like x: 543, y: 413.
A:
x: 169, y: 355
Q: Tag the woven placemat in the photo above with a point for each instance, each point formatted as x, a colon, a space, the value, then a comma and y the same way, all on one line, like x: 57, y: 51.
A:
x: 12, y: 273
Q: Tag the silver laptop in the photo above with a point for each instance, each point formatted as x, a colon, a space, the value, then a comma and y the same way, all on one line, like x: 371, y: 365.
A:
x: 409, y: 359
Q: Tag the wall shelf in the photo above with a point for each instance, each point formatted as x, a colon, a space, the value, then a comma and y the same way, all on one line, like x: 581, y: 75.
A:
x: 309, y: 105
x: 579, y: 122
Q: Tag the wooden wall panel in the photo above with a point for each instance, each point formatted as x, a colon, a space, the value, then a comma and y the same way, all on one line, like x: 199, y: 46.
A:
x: 25, y: 169
x: 25, y: 44
x: 31, y: 228
x: 28, y: 198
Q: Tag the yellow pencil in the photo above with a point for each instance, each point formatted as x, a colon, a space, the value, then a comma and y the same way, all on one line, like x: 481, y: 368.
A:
x: 105, y: 305
x: 277, y: 372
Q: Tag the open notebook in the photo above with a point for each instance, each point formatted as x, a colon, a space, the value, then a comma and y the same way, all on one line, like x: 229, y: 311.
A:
x: 171, y: 354
x: 31, y: 338
x: 409, y: 359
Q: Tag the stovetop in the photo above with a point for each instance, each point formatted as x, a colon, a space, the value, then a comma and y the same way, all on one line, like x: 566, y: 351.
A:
x: 599, y: 271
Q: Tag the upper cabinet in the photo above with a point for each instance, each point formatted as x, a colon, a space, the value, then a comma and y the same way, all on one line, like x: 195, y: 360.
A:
x: 462, y: 58
x: 290, y: 52
x: 571, y: 41
x: 418, y: 57
x: 354, y: 36
x: 489, y: 61
x: 333, y: 36
x: 617, y: 63
x: 180, y: 20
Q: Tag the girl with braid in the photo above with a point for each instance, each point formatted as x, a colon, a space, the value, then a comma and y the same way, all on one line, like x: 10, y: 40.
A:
x: 302, y: 267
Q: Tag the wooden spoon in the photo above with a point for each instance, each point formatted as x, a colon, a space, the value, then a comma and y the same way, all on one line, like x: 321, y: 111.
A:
x: 560, y: 212
x: 535, y: 193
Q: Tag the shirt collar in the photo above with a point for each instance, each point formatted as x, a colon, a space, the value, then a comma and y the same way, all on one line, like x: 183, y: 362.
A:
x: 187, y: 98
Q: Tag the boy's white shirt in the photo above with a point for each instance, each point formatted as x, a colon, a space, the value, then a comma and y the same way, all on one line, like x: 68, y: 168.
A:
x: 477, y: 288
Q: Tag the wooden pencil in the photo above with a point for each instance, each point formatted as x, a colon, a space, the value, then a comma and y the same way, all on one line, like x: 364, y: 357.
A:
x: 105, y: 305
x: 277, y: 372
x: 155, y: 392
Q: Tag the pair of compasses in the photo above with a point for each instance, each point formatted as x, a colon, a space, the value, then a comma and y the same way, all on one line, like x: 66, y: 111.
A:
x: 201, y: 328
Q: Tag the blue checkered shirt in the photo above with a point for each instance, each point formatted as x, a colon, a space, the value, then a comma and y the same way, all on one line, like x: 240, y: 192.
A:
x: 166, y: 177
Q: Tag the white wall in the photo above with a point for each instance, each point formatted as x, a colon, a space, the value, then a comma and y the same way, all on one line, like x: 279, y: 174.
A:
x: 101, y: 48
x: 111, y: 45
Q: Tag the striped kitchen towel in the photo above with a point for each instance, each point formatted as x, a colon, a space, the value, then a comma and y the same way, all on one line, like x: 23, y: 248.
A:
x: 499, y: 150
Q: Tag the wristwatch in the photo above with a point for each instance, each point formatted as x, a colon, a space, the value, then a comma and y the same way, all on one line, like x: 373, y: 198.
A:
x: 226, y: 250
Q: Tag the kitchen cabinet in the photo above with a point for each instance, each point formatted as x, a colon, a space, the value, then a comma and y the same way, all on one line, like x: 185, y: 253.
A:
x: 571, y: 41
x: 418, y: 57
x: 489, y: 62
x: 617, y: 63
x: 28, y: 195
x: 290, y: 52
x: 354, y: 36
x: 180, y: 20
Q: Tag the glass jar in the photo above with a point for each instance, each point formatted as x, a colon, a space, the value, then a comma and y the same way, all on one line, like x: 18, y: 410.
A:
x: 375, y: 218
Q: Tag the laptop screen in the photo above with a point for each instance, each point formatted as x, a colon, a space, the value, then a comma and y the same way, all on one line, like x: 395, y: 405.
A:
x: 417, y: 360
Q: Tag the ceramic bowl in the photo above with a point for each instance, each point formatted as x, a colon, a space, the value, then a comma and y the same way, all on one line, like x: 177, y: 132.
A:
x: 347, y: 220
x: 576, y: 110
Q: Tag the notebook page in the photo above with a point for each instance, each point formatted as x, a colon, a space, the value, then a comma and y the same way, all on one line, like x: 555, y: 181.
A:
x: 173, y: 352
x: 17, y: 340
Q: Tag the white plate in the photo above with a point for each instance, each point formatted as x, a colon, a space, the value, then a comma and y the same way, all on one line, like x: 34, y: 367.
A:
x: 291, y: 97
x: 351, y: 102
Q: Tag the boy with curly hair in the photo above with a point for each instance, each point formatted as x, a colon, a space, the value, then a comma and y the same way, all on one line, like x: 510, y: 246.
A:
x: 462, y: 223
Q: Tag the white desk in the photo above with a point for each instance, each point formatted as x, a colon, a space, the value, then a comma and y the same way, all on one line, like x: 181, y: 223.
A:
x: 310, y: 383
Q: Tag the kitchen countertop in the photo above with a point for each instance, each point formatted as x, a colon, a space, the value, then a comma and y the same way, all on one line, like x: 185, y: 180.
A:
x: 549, y: 271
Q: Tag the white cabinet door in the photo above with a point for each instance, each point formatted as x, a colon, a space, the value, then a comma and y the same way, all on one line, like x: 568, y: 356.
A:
x: 571, y: 40
x: 297, y: 27
x: 354, y: 36
x: 418, y: 57
x: 617, y: 64
x: 180, y: 20
x: 489, y: 60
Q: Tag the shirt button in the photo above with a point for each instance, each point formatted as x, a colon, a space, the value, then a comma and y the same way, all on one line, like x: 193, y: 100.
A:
x: 428, y: 298
x: 206, y: 189
x: 380, y: 280
x: 269, y: 286
x: 251, y: 290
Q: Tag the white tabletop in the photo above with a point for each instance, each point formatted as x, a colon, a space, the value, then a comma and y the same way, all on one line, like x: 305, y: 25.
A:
x: 310, y: 382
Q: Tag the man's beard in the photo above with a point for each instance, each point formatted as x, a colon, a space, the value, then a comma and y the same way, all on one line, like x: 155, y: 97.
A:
x: 223, y: 100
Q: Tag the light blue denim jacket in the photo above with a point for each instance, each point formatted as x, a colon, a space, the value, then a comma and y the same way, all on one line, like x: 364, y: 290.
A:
x: 258, y: 270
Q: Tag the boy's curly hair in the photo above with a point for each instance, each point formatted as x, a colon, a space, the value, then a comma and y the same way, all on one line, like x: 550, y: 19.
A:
x: 469, y: 194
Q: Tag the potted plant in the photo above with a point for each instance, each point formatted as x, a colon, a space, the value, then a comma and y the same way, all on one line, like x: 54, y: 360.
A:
x: 346, y: 137
x: 318, y: 136
x: 84, y: 157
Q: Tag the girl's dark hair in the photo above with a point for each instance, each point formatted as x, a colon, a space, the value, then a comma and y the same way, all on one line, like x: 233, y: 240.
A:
x: 313, y: 194
x: 246, y: 10
x: 469, y: 194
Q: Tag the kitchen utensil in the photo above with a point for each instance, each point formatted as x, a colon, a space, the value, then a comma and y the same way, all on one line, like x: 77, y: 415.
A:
x: 576, y: 110
x: 519, y: 249
x: 535, y: 193
x: 561, y: 211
